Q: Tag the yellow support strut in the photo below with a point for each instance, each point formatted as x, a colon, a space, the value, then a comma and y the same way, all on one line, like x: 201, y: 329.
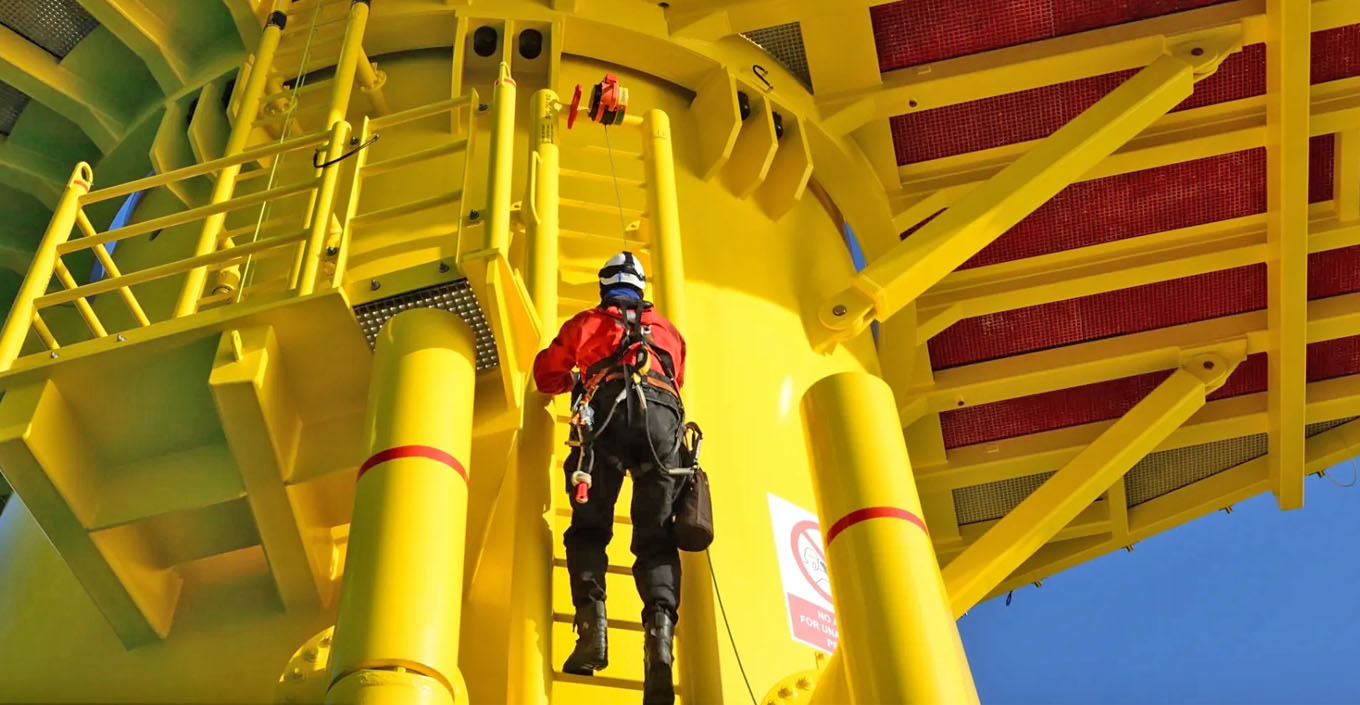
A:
x: 898, y: 639
x: 917, y: 263
x: 396, y: 636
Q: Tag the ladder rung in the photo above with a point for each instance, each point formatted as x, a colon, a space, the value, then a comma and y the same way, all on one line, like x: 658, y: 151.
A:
x: 603, y: 178
x: 615, y: 569
x: 406, y: 208
x: 386, y: 165
x: 624, y: 624
x: 598, y: 681
x: 598, y: 207
x: 642, y: 245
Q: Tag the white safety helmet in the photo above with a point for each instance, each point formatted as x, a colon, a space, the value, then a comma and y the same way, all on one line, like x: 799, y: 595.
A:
x: 623, y: 269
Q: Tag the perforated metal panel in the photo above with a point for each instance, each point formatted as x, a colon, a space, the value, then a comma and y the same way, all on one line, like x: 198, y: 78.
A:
x: 12, y: 102
x: 785, y: 43
x: 1170, y: 470
x: 455, y: 297
x: 55, y: 25
x: 994, y: 500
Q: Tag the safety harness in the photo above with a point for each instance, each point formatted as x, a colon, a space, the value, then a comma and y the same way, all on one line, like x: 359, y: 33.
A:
x: 635, y: 343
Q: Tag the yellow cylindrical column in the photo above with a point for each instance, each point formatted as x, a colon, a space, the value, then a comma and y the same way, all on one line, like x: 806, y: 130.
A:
x: 897, y: 633
x: 401, y: 599
x: 225, y: 186
x: 39, y: 275
x: 502, y: 167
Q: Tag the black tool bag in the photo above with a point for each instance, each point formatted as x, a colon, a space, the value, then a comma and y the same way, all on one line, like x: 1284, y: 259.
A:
x: 694, y: 507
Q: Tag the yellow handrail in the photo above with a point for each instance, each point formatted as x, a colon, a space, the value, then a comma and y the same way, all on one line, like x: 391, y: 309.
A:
x: 296, y: 144
x: 164, y: 270
x: 106, y: 261
x: 21, y: 315
x: 186, y: 217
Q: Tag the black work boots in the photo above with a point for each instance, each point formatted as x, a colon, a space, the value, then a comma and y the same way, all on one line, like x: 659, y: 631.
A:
x: 657, y: 687
x: 592, y: 641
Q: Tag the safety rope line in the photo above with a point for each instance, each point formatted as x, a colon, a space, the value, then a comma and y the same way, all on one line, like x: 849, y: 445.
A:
x: 713, y: 575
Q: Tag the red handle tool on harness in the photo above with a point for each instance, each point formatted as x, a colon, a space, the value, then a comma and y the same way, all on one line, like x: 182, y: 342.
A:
x: 582, y: 493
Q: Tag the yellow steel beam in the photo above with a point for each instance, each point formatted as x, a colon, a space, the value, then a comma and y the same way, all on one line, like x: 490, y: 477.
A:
x: 31, y: 171
x: 994, y: 556
x: 1348, y: 175
x: 1287, y: 106
x: 1115, y: 265
x: 91, y: 106
x: 1035, y: 453
x: 1181, y: 136
x: 147, y: 34
x: 1191, y: 502
x: 250, y: 390
x: 1069, y: 58
x: 917, y: 263
x: 45, y: 456
x: 529, y: 663
x: 715, y: 19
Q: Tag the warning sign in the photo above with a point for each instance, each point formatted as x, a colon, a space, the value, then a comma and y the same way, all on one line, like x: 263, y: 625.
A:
x: 802, y: 568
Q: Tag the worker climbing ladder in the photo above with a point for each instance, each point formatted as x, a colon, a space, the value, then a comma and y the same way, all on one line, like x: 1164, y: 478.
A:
x: 593, y: 190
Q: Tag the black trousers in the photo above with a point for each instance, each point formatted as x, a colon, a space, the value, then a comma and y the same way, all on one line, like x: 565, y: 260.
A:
x: 632, y: 441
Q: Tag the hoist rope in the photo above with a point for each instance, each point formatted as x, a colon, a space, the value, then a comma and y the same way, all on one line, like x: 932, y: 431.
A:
x: 618, y: 197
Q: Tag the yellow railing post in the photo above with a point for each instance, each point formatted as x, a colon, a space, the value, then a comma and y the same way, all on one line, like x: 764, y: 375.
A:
x: 396, y: 634
x: 351, y: 51
x: 700, y: 675
x: 44, y: 263
x: 225, y: 186
x: 501, y: 166
x: 544, y: 159
x: 320, y: 227
x: 898, y: 639
x: 529, y: 666
x: 663, y: 210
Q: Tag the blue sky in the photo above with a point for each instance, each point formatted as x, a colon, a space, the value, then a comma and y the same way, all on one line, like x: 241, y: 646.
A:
x: 1257, y: 606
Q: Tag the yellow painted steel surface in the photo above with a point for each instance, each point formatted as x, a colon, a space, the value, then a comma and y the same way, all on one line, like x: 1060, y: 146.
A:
x: 184, y: 452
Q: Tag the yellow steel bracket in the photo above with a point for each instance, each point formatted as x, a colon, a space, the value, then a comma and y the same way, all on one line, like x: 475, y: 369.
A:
x: 511, y: 314
x: 1035, y: 521
x: 920, y: 261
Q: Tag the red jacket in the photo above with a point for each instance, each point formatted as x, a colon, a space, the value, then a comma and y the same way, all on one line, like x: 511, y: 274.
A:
x: 593, y: 335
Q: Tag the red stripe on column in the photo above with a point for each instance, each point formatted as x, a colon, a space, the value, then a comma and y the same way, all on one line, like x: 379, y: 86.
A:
x: 867, y: 513
x: 428, y: 452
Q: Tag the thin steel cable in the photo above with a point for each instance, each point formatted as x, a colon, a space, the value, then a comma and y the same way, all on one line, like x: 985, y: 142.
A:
x: 728, y: 625
x: 618, y: 197
x: 1355, y: 476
